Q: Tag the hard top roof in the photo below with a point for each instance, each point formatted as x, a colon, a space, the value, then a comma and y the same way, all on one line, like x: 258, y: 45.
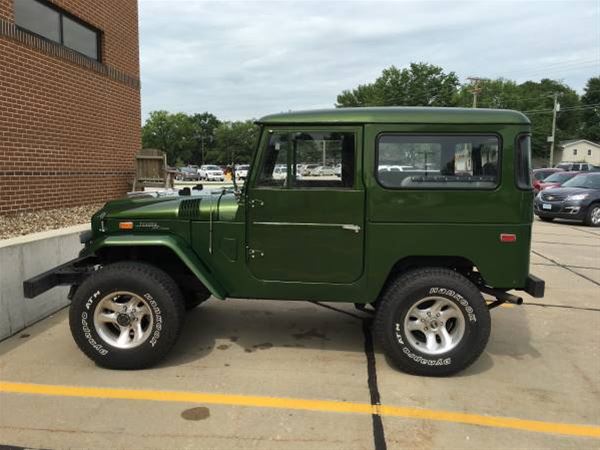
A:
x: 398, y: 114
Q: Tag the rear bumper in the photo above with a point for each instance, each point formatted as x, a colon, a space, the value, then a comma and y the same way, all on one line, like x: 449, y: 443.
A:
x: 535, y: 286
x: 69, y: 273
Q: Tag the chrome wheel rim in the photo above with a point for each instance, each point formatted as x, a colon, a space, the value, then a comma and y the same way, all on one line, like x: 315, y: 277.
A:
x: 596, y: 215
x: 434, y: 325
x: 123, y: 319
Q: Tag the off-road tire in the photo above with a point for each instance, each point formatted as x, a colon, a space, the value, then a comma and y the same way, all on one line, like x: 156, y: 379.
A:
x: 546, y: 219
x: 165, y: 304
x: 409, y: 289
x: 588, y: 217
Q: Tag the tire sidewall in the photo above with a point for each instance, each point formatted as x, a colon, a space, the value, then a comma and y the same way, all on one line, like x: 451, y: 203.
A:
x: 591, y: 209
x: 477, y: 325
x: 84, y: 305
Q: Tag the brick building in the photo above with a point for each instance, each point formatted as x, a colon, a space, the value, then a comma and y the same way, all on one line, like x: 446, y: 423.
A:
x: 69, y: 101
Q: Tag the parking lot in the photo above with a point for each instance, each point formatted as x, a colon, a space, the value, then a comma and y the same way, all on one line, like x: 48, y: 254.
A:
x: 264, y: 374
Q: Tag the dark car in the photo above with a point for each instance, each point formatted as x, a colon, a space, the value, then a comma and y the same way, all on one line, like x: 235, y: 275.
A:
x: 556, y: 180
x: 540, y: 175
x: 188, y: 174
x: 577, y: 199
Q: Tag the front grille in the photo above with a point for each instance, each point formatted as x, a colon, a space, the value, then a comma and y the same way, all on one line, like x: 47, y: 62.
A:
x: 189, y: 209
x: 548, y: 197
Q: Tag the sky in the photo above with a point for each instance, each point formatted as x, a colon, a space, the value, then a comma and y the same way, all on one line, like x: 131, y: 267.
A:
x: 243, y: 60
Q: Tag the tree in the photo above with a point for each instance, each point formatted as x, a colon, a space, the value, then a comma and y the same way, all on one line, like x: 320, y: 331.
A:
x: 171, y: 133
x: 204, y: 126
x: 234, y: 142
x: 419, y: 85
x: 591, y: 114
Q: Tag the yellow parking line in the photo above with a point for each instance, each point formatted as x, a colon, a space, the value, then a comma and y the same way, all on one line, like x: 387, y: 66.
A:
x: 305, y: 405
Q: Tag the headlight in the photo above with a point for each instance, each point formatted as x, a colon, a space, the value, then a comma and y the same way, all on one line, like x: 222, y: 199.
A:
x: 577, y: 197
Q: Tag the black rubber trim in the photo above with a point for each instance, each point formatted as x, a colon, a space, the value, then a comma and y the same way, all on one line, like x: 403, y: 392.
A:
x: 535, y: 286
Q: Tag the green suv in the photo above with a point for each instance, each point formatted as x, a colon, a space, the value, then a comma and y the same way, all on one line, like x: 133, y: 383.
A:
x: 429, y: 208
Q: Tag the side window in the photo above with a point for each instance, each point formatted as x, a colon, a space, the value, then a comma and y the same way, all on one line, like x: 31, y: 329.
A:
x: 274, y: 165
x: 323, y: 159
x: 437, y: 161
x: 317, y: 159
x: 523, y: 162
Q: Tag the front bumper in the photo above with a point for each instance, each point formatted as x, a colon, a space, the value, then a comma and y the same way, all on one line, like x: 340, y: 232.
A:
x: 560, y: 210
x: 70, y: 273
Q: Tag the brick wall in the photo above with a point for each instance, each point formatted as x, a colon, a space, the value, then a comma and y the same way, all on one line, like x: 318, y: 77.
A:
x: 69, y: 128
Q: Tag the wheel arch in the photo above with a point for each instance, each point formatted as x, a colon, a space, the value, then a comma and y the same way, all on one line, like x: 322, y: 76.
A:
x: 166, y: 252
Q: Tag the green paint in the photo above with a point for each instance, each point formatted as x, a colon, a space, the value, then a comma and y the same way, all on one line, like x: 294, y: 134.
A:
x: 297, y: 244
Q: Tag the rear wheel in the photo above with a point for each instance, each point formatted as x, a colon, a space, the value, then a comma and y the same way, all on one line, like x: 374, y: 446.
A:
x: 127, y: 315
x: 592, y: 218
x: 432, y: 322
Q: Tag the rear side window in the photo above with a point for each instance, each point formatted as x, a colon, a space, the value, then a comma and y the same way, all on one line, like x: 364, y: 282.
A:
x: 438, y: 161
x: 523, y: 162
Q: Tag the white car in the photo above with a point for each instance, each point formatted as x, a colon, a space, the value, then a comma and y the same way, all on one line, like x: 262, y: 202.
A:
x: 241, y: 171
x: 211, y: 173
x: 280, y: 173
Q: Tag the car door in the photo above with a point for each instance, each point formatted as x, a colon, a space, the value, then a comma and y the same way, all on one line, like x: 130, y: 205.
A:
x: 307, y: 228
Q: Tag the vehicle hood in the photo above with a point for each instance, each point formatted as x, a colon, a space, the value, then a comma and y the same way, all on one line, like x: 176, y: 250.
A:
x: 566, y: 191
x: 222, y: 205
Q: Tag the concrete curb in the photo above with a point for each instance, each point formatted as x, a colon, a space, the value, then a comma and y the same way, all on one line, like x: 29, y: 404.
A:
x: 23, y: 257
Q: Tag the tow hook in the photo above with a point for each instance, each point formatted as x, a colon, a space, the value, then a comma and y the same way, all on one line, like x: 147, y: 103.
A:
x: 501, y: 297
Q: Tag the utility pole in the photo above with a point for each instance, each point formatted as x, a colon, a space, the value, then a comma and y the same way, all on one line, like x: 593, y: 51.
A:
x: 555, y: 109
x: 475, y: 89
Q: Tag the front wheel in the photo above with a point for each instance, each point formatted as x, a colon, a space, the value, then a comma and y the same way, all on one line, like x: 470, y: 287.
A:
x: 592, y: 217
x: 127, y: 315
x: 432, y: 322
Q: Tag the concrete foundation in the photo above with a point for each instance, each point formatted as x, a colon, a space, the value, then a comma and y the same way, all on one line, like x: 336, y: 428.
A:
x: 24, y: 257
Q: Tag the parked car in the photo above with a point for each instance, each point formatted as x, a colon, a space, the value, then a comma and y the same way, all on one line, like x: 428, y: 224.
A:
x: 539, y: 175
x: 367, y: 238
x: 324, y: 171
x: 241, y: 171
x: 308, y: 168
x: 280, y: 173
x: 211, y: 173
x: 187, y: 174
x: 556, y: 180
x: 577, y: 166
x: 578, y: 199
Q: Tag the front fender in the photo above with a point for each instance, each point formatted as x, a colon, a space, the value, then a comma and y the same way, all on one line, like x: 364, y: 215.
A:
x: 174, y: 243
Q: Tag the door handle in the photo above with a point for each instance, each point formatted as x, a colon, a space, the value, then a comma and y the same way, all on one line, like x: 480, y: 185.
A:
x: 256, y: 203
x: 354, y: 228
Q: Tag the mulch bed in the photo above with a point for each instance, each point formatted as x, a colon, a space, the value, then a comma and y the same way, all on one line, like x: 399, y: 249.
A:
x: 19, y: 224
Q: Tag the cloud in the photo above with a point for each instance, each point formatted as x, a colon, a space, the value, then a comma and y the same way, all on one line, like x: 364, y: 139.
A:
x: 242, y: 60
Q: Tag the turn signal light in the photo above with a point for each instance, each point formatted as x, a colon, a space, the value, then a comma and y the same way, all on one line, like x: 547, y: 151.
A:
x: 508, y: 237
x: 125, y: 225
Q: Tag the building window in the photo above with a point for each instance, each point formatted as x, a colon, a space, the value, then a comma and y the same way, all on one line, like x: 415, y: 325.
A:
x: 574, y: 152
x: 437, y: 161
x: 47, y: 21
x: 589, y: 152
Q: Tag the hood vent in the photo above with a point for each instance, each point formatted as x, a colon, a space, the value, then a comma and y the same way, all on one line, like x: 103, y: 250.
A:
x: 189, y: 209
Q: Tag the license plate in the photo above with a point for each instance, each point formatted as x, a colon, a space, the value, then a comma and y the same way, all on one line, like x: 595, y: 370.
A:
x: 546, y: 206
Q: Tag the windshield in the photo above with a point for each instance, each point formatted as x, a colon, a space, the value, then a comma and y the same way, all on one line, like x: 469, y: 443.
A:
x: 212, y: 168
x: 558, y: 177
x: 584, y: 181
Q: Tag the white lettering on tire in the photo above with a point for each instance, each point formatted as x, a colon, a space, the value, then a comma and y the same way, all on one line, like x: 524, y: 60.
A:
x: 159, y: 324
x: 459, y: 298
x: 87, y: 332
